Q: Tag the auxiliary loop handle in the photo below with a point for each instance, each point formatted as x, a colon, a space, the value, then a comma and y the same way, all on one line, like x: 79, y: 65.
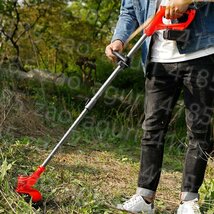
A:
x: 157, y: 22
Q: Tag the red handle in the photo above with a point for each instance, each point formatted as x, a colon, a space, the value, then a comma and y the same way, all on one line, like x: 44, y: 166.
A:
x: 157, y: 22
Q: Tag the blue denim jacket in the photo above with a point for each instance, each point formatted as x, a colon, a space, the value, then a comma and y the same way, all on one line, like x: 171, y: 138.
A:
x: 135, y: 12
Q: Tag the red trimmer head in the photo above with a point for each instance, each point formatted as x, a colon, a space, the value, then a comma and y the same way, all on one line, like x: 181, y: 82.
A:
x: 25, y: 185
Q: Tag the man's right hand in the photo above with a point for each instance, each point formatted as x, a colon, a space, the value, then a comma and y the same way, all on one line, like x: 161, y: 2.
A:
x: 117, y: 45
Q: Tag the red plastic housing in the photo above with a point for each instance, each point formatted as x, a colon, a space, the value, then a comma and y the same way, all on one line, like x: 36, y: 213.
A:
x: 25, y: 185
x: 157, y: 22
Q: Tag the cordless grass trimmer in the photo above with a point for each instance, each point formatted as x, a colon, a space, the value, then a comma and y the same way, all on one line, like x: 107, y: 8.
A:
x: 26, y: 184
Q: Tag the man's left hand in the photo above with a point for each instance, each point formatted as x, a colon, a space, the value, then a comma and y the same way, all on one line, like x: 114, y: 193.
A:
x: 176, y: 8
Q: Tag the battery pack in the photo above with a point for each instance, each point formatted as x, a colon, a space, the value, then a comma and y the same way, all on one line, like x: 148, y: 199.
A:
x: 177, y: 35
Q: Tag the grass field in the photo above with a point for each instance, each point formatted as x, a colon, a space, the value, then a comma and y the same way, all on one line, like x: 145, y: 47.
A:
x: 96, y: 168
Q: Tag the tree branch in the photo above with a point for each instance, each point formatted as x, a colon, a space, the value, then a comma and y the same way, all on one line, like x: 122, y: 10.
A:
x: 31, y: 26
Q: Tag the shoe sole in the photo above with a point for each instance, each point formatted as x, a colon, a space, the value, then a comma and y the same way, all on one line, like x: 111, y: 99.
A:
x: 115, y: 208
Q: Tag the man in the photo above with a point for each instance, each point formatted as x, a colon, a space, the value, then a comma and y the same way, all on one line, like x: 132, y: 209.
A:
x: 170, y: 67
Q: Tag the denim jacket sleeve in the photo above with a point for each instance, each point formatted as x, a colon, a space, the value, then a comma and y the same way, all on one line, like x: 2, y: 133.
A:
x: 127, y: 21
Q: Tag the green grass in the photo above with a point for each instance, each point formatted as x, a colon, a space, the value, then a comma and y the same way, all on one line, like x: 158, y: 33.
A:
x: 85, y: 178
x: 98, y: 166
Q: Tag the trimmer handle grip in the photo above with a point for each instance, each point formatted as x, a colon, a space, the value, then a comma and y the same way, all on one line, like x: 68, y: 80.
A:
x: 119, y: 56
x: 157, y: 22
x: 122, y: 60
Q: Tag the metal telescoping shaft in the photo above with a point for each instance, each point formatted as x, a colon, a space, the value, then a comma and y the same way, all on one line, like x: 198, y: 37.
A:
x: 88, y: 107
x: 92, y: 102
x: 137, y: 46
